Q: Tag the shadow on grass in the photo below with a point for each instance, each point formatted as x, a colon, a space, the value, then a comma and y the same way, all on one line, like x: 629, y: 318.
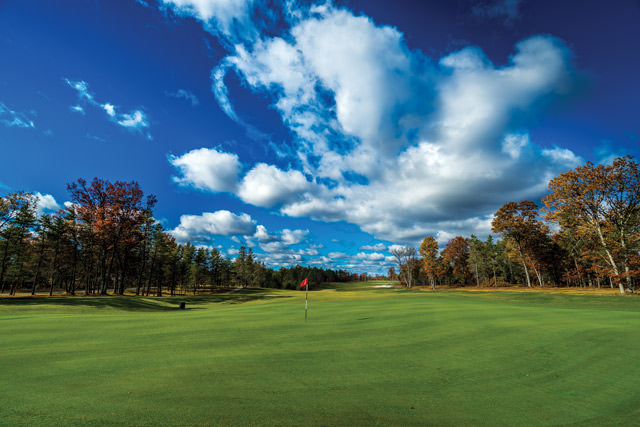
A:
x: 234, y: 297
x: 351, y: 286
x: 139, y: 303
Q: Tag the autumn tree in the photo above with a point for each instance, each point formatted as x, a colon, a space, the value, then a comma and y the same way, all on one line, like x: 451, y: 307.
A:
x: 107, y: 237
x: 603, y: 202
x: 112, y: 214
x: 518, y: 222
x: 455, y: 255
x: 430, y: 259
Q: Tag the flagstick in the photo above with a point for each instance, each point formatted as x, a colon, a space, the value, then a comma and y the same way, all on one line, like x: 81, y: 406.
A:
x: 306, y: 295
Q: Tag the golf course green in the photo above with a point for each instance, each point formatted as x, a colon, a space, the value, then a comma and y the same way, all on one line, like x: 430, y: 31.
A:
x: 366, y: 356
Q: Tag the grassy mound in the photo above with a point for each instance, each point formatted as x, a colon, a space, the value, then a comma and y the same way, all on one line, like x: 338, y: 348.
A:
x: 367, y: 356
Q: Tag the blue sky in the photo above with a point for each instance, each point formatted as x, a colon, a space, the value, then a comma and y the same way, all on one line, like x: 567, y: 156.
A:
x: 316, y: 133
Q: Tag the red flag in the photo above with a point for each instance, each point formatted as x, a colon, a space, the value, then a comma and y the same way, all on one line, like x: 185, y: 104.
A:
x: 304, y: 283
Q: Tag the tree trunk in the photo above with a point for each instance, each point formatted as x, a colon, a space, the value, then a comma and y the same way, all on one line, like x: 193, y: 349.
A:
x: 610, y: 259
x: 538, y: 275
x: 477, y: 278
x: 54, y: 267
x: 510, y: 280
x: 37, y: 274
x: 524, y: 265
x: 72, y: 282
x: 143, y: 267
x: 3, y: 268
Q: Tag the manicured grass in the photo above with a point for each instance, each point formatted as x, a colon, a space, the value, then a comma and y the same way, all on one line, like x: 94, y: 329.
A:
x: 367, y: 356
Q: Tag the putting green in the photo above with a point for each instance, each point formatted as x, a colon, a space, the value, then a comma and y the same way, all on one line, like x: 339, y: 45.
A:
x: 367, y: 356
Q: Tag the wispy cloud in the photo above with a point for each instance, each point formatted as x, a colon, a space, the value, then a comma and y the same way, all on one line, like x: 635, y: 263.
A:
x: 95, y: 137
x: 77, y: 109
x: 184, y: 94
x: 109, y: 109
x: 135, y: 120
x: 221, y: 92
x: 12, y: 118
x: 506, y: 9
x: 82, y: 88
x: 230, y: 19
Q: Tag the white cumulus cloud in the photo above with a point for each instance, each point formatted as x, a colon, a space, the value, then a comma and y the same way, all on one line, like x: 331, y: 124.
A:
x: 202, y: 228
x: 293, y: 237
x: 376, y: 247
x: 337, y: 255
x: 276, y: 242
x: 207, y: 169
x: 46, y: 203
x: 375, y: 256
x: 267, y: 186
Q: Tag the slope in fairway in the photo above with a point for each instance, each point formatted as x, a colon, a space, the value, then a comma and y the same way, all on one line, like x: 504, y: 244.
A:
x: 365, y: 357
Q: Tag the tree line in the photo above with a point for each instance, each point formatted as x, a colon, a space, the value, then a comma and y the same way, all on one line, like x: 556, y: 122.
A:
x: 587, y: 233
x: 107, y: 241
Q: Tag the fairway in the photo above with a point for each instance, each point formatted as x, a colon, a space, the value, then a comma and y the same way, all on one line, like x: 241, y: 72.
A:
x: 366, y: 356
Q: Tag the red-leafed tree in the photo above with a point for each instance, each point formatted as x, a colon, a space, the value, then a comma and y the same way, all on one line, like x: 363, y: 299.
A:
x: 112, y: 215
x: 456, y: 255
x: 602, y: 203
